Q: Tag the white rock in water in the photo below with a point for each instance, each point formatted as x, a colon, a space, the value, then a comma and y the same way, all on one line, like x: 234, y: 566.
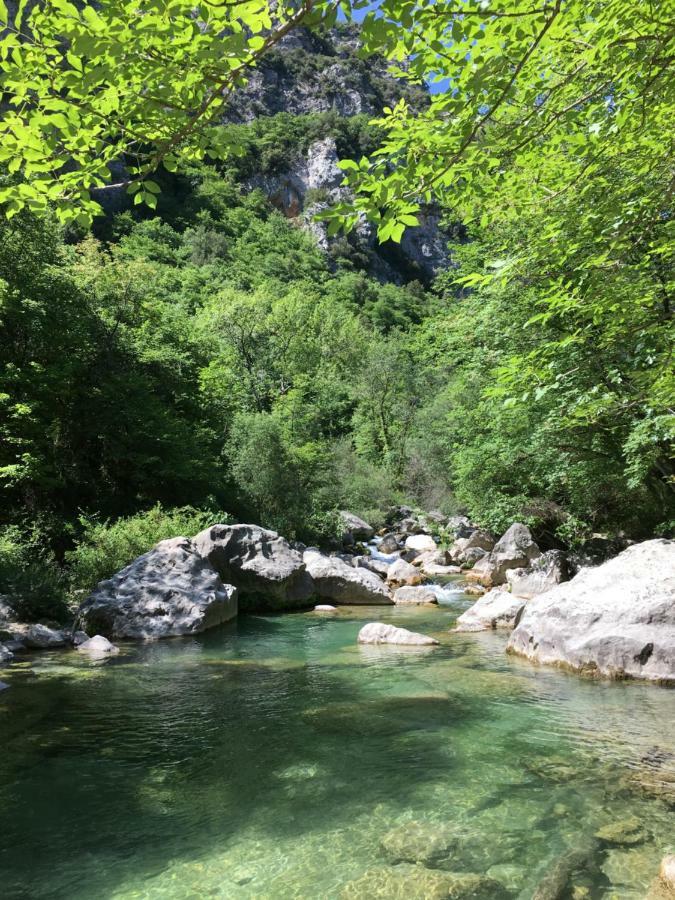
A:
x: 496, y: 609
x: 414, y: 595
x: 325, y: 607
x: 98, y: 646
x: 616, y: 619
x: 421, y: 543
x: 380, y: 633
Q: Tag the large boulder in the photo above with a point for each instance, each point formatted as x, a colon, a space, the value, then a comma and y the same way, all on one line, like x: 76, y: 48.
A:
x: 496, y: 609
x: 402, y: 572
x: 381, y: 633
x: 334, y: 580
x: 170, y: 590
x: 267, y: 571
x: 514, y: 550
x: 545, y: 572
x: 355, y: 527
x: 617, y: 619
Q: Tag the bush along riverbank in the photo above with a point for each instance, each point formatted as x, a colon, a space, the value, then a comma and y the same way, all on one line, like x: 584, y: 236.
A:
x: 614, y: 619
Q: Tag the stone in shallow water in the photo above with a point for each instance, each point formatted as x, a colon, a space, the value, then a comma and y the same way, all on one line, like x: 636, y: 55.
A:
x: 98, y: 646
x: 408, y: 882
x: 325, y: 607
x: 414, y: 595
x: 426, y: 843
x: 380, y: 633
x: 623, y: 833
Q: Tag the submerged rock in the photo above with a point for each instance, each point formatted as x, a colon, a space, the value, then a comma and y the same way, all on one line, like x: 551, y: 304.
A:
x: 266, y: 570
x: 170, y: 590
x: 98, y: 646
x: 335, y: 580
x: 496, y: 609
x: 409, y: 882
x: 380, y: 633
x: 414, y: 595
x: 617, y: 619
x: 514, y: 550
x: 624, y: 833
x: 426, y: 843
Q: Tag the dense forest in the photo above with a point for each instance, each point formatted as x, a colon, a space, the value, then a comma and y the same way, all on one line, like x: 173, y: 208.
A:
x: 201, y: 356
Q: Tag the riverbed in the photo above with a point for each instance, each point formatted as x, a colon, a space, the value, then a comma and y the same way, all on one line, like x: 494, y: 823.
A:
x: 275, y: 758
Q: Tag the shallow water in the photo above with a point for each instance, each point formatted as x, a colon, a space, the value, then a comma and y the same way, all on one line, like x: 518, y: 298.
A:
x: 270, y: 759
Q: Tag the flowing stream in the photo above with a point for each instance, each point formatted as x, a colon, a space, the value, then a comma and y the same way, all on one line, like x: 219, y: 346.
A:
x: 276, y: 758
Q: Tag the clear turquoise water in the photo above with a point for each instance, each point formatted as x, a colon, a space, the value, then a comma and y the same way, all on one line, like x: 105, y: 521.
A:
x: 271, y: 758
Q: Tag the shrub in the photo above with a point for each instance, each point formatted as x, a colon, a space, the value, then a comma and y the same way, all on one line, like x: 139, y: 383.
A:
x: 31, y: 577
x: 107, y: 547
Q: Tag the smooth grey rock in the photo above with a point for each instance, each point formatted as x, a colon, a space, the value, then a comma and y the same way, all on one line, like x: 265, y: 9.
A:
x: 4, y: 686
x: 421, y: 543
x: 402, y: 572
x: 41, y: 637
x: 263, y: 566
x: 381, y: 633
x: 545, y: 572
x: 515, y: 549
x: 414, y: 595
x: 14, y: 645
x: 98, y: 646
x: 6, y: 654
x: 496, y: 609
x: 616, y: 620
x: 334, y: 580
x: 351, y: 523
x: 432, y: 558
x: 170, y: 590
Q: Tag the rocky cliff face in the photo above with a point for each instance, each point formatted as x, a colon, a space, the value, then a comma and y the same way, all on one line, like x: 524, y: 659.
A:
x: 314, y: 73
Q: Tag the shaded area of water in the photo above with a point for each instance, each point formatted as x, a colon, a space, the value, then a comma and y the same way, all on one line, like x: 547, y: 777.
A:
x: 270, y: 759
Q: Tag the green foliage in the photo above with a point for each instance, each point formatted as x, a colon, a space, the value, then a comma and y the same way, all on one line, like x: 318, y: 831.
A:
x: 29, y: 575
x: 106, y: 547
x: 88, y: 84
